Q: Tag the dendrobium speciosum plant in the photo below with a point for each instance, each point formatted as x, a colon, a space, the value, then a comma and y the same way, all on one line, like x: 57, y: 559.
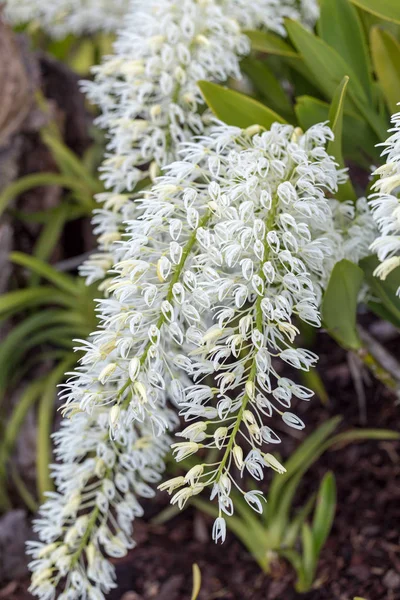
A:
x: 216, y: 244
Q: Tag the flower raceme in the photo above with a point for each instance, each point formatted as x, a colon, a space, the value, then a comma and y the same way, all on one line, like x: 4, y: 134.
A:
x: 63, y: 17
x: 229, y: 247
x: 89, y: 519
x: 385, y: 205
x: 148, y: 94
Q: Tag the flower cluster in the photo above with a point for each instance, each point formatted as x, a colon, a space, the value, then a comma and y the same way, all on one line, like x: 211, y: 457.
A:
x: 63, y: 17
x: 89, y: 518
x: 385, y: 204
x: 148, y: 94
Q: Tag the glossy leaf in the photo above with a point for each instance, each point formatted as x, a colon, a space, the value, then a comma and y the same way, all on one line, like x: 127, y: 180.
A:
x: 237, y: 109
x: 358, y: 139
x: 386, y: 56
x: 340, y: 27
x: 385, y: 9
x: 267, y: 85
x: 270, y: 43
x: 339, y: 305
x: 328, y: 69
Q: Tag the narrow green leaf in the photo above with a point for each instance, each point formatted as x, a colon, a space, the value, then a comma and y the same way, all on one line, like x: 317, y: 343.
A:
x: 359, y: 141
x: 235, y: 108
x: 313, y: 380
x: 339, y: 305
x: 44, y: 427
x: 386, y: 56
x: 196, y: 581
x: 63, y: 281
x: 340, y: 27
x: 18, y: 300
x: 386, y: 9
x: 309, y: 560
x: 345, y: 191
x: 384, y: 289
x: 30, y: 182
x: 324, y: 512
x: 361, y: 435
x: 306, y: 453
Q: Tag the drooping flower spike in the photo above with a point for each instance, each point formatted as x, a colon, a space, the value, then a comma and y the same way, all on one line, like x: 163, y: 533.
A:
x: 60, y: 18
x: 385, y: 204
x: 148, y: 95
x: 264, y: 260
x: 88, y: 520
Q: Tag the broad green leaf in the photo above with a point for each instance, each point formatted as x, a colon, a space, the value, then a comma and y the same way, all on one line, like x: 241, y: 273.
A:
x: 386, y: 56
x: 270, y: 43
x: 196, y: 581
x: 339, y: 305
x: 237, y: 109
x: 384, y: 289
x: 324, y: 62
x: 340, y: 27
x: 267, y: 85
x: 65, y: 282
x: 345, y: 191
x: 386, y: 9
x: 328, y: 69
x: 324, y: 511
x: 359, y: 142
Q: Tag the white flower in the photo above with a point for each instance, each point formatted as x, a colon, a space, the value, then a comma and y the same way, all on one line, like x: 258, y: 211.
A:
x: 62, y: 17
x: 148, y: 95
x: 89, y: 519
x: 263, y: 258
x: 385, y: 204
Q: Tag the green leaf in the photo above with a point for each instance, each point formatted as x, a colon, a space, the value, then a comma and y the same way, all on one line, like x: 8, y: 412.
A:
x: 384, y: 289
x: 386, y: 56
x: 13, y: 302
x: 345, y: 191
x: 306, y: 453
x: 267, y: 85
x: 64, y: 282
x: 328, y: 69
x: 359, y: 142
x: 340, y: 27
x: 30, y: 182
x: 309, y: 560
x: 270, y: 43
x: 235, y: 108
x: 325, y: 63
x: 339, y: 305
x: 386, y: 9
x: 44, y: 427
x: 324, y: 512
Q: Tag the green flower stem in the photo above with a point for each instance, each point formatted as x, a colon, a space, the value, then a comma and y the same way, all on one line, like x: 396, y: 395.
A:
x: 176, y: 276
x: 259, y: 324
